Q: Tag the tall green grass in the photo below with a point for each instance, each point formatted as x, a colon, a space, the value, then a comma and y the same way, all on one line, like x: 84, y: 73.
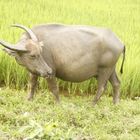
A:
x: 122, y: 16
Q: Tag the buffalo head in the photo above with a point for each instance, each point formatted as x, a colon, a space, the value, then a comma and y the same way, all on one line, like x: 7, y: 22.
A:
x: 28, y: 52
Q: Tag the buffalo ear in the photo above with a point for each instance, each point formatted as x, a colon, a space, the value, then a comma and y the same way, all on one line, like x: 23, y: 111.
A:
x: 10, y: 52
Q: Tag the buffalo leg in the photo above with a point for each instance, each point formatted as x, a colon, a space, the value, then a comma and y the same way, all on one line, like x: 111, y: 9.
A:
x: 52, y: 85
x: 105, y: 86
x: 32, y: 85
x: 116, y: 87
x: 102, y: 79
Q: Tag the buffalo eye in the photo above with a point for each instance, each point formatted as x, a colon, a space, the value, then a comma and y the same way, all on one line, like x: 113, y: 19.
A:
x: 33, y: 56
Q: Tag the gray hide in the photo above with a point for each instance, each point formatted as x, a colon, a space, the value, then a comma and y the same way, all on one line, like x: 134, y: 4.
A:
x: 72, y: 53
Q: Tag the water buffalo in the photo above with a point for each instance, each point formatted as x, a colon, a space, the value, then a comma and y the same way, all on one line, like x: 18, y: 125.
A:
x: 70, y: 52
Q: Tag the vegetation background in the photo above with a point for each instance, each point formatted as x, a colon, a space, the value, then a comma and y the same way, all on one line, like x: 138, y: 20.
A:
x: 74, y: 118
x: 121, y: 16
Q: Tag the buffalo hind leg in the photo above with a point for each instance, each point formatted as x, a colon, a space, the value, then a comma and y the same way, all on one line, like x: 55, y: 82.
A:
x: 116, y: 87
x: 32, y: 85
x: 52, y: 85
x: 102, y: 79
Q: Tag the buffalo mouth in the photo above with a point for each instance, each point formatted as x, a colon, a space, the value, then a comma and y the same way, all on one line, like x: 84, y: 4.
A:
x: 48, y: 75
x: 44, y: 75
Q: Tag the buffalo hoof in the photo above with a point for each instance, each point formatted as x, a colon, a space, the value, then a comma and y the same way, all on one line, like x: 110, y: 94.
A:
x: 94, y: 103
x: 30, y: 98
x: 116, y: 102
x: 57, y: 101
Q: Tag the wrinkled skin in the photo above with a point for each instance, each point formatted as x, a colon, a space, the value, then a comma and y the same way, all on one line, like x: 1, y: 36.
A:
x: 71, y: 53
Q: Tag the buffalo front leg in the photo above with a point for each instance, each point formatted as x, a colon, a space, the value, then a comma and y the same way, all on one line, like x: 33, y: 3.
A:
x: 116, y: 87
x: 32, y: 85
x: 52, y: 85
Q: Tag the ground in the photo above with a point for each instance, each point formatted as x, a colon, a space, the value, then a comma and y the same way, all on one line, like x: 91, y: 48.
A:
x: 73, y: 119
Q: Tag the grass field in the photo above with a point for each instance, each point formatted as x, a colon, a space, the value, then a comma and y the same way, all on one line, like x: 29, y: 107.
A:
x: 122, y: 16
x: 74, y: 118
